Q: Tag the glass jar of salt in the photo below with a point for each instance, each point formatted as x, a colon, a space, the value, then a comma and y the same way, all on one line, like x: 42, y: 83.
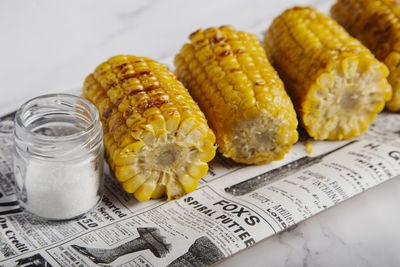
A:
x: 58, y: 156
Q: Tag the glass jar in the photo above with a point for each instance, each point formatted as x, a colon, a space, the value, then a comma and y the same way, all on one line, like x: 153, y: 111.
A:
x: 58, y: 156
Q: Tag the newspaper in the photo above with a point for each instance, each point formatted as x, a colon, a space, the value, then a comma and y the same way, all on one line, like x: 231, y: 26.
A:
x: 234, y: 207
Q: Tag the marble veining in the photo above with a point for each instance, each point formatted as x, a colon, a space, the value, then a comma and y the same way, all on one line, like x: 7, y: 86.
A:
x: 48, y: 46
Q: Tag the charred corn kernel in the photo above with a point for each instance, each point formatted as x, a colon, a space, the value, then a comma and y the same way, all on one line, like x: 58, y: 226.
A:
x: 152, y: 126
x: 228, y: 74
x: 376, y: 24
x: 336, y: 84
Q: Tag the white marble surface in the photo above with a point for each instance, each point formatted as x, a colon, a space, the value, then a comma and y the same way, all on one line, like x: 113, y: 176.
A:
x: 50, y: 46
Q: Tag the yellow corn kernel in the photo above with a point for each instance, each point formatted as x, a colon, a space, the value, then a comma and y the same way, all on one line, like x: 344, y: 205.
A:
x: 124, y: 173
x: 336, y: 84
x: 132, y: 184
x: 375, y: 23
x: 206, y: 156
x: 188, y: 183
x: 225, y: 71
x: 152, y: 127
x: 145, y: 191
x: 198, y: 169
x: 173, y: 186
x: 159, y: 191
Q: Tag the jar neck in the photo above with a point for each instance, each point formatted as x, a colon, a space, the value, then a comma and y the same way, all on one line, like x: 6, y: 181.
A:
x: 57, y: 127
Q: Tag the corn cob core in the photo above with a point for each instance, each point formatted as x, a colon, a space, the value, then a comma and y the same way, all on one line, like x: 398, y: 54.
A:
x: 336, y: 84
x: 242, y: 96
x: 376, y: 23
x: 156, y: 138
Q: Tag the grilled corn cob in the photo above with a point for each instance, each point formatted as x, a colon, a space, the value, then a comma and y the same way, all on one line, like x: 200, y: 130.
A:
x: 336, y: 84
x: 243, y: 98
x: 376, y: 24
x: 156, y: 138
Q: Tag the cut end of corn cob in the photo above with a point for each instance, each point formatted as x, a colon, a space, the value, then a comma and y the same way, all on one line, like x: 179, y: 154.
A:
x: 261, y: 140
x: 228, y: 74
x: 156, y: 138
x: 376, y: 24
x: 345, y: 100
x: 336, y: 84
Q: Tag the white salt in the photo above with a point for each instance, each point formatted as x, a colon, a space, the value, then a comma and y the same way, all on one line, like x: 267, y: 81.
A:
x: 62, y: 190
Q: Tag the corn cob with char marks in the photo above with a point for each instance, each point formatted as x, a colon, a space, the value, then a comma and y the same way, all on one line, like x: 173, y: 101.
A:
x: 228, y: 74
x: 156, y: 138
x: 376, y: 23
x: 336, y: 84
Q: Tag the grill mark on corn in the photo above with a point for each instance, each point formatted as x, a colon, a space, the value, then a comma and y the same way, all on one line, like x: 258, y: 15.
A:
x: 194, y: 33
x: 239, y: 51
x: 110, y: 85
x: 128, y: 112
x: 218, y: 38
x: 199, y: 42
x: 128, y: 76
x: 147, y: 89
x: 156, y: 103
x: 135, y: 75
x: 225, y: 53
x: 107, y: 112
x: 123, y: 71
x: 120, y: 67
x: 118, y: 101
x: 145, y: 72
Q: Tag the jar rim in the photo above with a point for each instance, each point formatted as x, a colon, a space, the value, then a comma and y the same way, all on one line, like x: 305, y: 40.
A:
x: 94, y: 120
